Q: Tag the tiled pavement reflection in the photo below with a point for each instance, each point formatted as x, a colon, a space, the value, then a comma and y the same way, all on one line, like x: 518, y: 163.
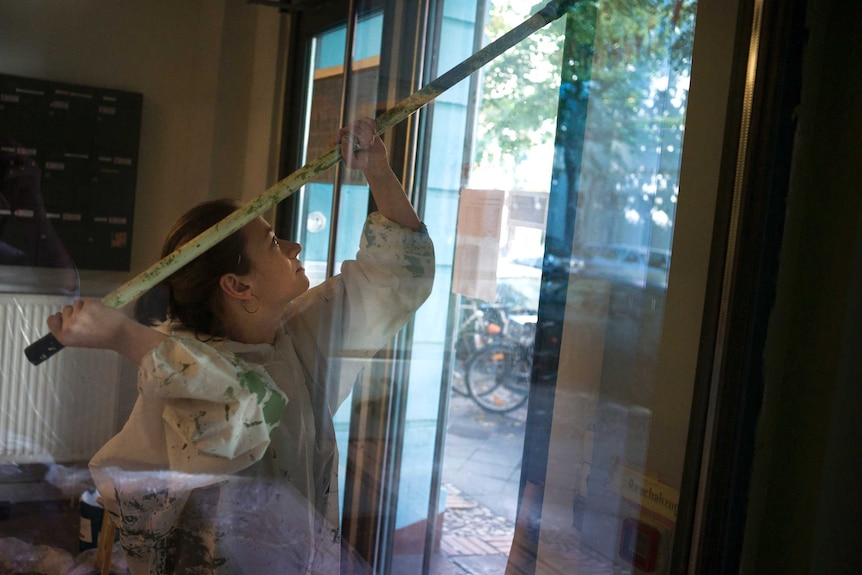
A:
x: 479, y: 542
x: 472, y: 529
x: 482, y: 470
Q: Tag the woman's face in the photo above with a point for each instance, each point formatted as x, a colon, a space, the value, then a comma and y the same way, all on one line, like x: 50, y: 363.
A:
x: 276, y: 276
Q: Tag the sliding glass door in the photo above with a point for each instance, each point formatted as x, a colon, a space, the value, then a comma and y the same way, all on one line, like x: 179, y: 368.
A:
x: 535, y: 414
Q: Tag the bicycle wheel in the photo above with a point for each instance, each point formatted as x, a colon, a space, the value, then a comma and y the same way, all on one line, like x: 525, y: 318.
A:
x: 467, y: 345
x: 498, y: 378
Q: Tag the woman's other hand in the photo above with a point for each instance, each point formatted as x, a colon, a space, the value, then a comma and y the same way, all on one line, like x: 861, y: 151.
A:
x: 91, y: 324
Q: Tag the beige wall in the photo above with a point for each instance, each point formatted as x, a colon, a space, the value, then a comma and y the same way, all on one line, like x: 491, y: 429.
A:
x: 210, y: 73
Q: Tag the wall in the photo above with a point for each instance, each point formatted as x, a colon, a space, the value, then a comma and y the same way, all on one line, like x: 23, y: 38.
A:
x: 210, y: 75
x: 804, y: 499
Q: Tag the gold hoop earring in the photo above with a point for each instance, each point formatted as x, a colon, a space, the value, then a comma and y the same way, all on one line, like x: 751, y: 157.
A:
x: 246, y: 302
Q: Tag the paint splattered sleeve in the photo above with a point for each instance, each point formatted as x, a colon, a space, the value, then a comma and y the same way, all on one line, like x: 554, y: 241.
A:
x: 218, y: 411
x: 390, y: 278
x: 349, y: 318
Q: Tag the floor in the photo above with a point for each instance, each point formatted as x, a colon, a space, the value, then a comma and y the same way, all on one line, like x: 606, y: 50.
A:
x: 39, y: 521
x: 39, y: 504
x: 33, y: 512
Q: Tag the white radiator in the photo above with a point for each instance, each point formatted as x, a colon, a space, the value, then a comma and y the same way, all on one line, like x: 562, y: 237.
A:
x: 62, y: 410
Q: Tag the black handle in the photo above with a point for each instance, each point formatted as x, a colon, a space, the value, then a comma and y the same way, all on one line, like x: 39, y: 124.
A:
x: 42, y: 349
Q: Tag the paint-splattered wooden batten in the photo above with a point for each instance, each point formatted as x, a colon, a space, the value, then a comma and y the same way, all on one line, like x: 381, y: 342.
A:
x: 47, y: 346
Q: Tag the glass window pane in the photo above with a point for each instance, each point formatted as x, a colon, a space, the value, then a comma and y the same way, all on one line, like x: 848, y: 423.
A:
x: 315, y: 205
x: 614, y: 451
x: 492, y: 327
x: 325, y: 86
x: 572, y: 214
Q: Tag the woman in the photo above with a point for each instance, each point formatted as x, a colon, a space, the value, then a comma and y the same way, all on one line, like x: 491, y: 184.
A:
x: 228, y: 461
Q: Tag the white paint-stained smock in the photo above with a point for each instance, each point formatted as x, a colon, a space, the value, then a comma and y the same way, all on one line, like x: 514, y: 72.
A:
x: 228, y: 463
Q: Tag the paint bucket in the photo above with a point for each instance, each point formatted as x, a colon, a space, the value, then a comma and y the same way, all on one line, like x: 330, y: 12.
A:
x: 91, y: 520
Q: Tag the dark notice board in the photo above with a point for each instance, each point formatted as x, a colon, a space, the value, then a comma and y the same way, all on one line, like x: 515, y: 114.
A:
x: 68, y: 170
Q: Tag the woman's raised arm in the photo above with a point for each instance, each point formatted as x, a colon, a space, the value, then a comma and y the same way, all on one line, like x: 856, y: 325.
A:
x: 362, y: 150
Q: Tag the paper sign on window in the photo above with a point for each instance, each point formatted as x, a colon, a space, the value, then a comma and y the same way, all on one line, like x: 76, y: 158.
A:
x: 477, y: 243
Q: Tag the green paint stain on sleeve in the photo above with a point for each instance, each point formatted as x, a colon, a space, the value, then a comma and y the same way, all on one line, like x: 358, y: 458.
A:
x: 273, y: 406
x: 370, y: 237
x: 414, y: 266
x: 197, y: 418
x: 252, y: 381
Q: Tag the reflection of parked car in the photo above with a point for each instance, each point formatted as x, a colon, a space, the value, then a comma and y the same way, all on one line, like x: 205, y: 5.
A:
x: 632, y: 265
x: 519, y: 281
x: 553, y: 262
x: 518, y: 286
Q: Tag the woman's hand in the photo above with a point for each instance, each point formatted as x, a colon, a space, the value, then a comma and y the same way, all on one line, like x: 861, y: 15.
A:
x: 362, y: 149
x: 91, y: 324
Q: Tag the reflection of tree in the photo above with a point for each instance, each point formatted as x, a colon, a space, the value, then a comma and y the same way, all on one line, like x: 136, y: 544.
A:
x: 518, y: 89
x: 571, y: 125
x: 637, y: 88
x: 625, y: 66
